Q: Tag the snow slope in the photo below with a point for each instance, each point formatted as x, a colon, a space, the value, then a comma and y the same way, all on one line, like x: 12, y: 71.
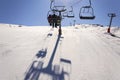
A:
x: 83, y: 52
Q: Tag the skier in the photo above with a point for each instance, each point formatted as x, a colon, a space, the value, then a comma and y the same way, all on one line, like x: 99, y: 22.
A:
x: 50, y: 19
x: 54, y: 17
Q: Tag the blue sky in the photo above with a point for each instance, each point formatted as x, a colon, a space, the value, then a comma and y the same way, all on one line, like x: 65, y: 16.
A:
x: 34, y: 12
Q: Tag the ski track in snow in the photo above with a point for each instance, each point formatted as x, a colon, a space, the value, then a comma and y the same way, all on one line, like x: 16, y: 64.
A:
x: 38, y: 53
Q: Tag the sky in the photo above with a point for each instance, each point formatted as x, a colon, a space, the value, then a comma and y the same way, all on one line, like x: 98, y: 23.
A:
x: 34, y: 12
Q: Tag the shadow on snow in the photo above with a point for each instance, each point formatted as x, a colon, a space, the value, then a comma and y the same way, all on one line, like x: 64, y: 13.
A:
x: 114, y: 35
x: 51, y: 72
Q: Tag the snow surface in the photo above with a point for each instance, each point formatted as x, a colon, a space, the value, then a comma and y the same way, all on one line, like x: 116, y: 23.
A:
x: 83, y: 52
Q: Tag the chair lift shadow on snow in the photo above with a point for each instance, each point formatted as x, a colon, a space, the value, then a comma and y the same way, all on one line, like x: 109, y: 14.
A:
x: 51, y: 72
x: 42, y: 53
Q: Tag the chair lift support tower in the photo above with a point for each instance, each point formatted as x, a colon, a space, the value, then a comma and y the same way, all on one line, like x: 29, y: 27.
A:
x: 110, y: 15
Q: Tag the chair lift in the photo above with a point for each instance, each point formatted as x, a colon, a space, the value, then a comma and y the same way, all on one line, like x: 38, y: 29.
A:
x: 87, y: 12
x: 70, y: 13
x: 53, y: 17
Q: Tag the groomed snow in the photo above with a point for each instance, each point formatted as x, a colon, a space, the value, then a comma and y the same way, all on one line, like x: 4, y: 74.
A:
x: 83, y: 52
